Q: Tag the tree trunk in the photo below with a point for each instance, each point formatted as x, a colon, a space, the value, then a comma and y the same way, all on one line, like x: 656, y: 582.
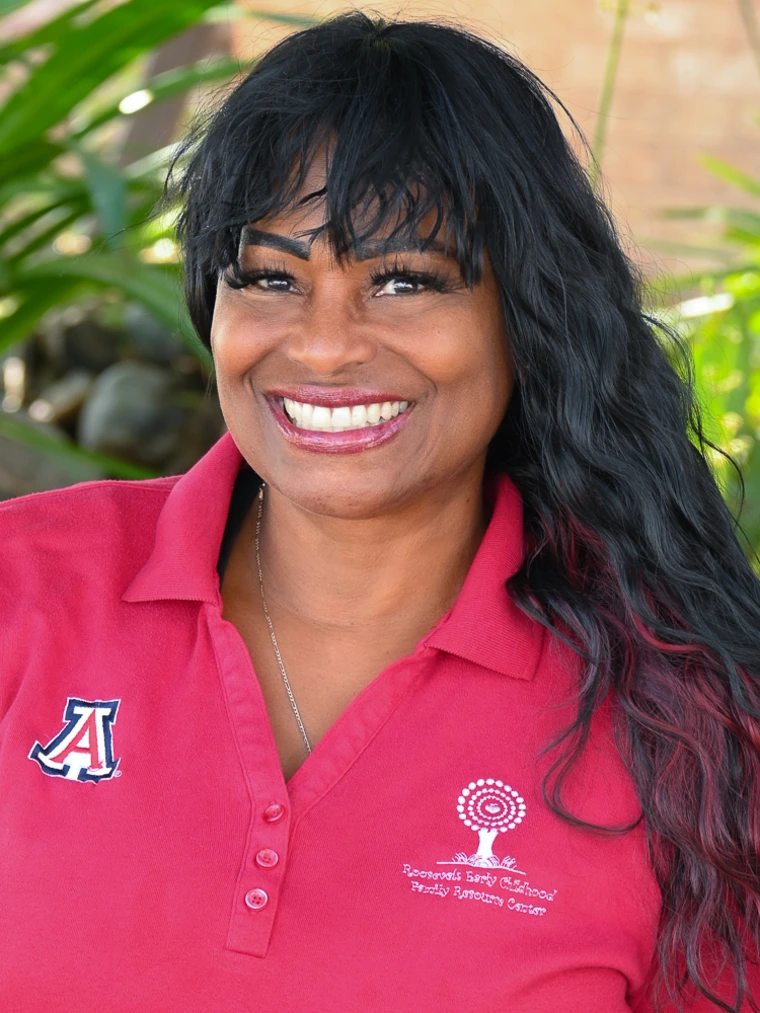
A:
x: 487, y: 838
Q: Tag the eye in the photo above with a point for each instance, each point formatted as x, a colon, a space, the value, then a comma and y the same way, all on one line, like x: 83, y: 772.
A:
x: 265, y: 281
x: 402, y: 282
x: 273, y: 279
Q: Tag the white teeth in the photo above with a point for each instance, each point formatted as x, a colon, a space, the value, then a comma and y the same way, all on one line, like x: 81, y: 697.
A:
x: 337, y: 420
x: 320, y: 417
x: 341, y: 417
x: 294, y: 409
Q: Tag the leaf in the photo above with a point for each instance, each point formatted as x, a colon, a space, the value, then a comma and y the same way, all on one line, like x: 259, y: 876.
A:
x: 144, y: 211
x: 157, y: 288
x: 744, y: 220
x: 29, y: 158
x: 6, y: 6
x: 47, y: 33
x: 41, y: 239
x: 690, y: 250
x: 36, y: 299
x: 86, y: 56
x: 47, y: 186
x: 167, y: 85
x: 18, y: 225
x: 730, y: 174
x: 690, y: 281
x: 224, y: 14
x: 709, y: 214
x: 67, y: 198
x: 38, y: 438
x: 153, y: 164
x: 108, y: 193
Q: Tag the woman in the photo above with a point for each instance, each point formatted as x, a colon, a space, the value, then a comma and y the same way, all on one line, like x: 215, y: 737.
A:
x: 434, y: 684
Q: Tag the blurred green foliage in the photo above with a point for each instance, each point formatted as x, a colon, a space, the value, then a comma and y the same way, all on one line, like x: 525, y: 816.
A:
x: 719, y: 311
x: 74, y: 221
x: 71, y: 220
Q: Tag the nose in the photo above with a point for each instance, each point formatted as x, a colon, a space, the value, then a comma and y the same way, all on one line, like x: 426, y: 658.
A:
x: 330, y: 335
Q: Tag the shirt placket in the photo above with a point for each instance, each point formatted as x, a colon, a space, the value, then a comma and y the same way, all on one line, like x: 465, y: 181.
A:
x: 277, y: 809
x: 262, y: 869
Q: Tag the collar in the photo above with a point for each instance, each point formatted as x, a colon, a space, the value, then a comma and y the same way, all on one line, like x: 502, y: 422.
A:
x: 483, y: 625
x: 182, y: 565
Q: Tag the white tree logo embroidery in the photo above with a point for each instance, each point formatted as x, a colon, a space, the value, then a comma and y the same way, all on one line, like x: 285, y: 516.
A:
x: 489, y: 808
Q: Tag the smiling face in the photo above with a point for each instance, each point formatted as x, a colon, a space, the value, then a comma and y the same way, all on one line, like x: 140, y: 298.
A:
x: 352, y: 340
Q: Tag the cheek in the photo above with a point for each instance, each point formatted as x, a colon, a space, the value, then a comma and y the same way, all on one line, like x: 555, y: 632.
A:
x: 224, y: 325
x: 467, y: 357
x: 495, y: 374
x: 236, y: 345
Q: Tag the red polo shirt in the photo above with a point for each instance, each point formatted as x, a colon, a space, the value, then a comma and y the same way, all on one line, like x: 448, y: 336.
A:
x: 152, y: 857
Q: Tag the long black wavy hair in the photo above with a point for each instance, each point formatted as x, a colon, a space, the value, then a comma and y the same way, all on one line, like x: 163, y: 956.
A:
x: 631, y: 554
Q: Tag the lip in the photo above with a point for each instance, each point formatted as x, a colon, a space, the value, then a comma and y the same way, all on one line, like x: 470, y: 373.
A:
x: 334, y: 397
x: 351, y: 441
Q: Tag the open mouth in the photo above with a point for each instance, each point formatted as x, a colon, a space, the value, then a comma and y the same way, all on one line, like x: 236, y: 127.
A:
x: 342, y: 428
x: 346, y: 418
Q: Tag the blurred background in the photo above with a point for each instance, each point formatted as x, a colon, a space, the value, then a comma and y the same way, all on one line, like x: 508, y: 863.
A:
x: 100, y: 372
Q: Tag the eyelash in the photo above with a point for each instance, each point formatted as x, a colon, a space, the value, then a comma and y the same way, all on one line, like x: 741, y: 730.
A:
x: 430, y: 279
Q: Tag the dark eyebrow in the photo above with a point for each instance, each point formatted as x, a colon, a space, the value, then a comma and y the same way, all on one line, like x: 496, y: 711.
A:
x: 369, y: 249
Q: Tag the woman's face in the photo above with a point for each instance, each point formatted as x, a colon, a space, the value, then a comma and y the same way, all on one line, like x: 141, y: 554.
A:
x: 340, y: 340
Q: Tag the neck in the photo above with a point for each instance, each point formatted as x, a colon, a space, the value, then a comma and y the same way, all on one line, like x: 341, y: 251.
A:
x: 402, y: 569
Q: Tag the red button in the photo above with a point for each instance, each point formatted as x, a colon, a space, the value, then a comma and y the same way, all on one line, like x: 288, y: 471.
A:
x: 256, y: 899
x: 266, y: 858
x: 274, y: 812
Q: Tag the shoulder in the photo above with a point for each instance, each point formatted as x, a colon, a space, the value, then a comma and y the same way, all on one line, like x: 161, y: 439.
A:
x: 98, y: 523
x: 83, y: 509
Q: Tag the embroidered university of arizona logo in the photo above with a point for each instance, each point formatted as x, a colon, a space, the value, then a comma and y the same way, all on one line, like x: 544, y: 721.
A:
x: 83, y: 749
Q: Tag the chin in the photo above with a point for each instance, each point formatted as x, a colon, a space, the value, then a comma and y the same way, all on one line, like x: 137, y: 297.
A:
x: 341, y: 497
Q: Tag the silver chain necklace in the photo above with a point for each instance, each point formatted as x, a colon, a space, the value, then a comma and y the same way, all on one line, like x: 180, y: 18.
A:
x: 271, y: 628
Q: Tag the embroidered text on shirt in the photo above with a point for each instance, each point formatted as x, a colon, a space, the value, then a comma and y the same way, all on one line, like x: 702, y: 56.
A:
x: 489, y: 807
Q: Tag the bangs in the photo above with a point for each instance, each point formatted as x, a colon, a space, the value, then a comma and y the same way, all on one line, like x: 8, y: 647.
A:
x: 408, y: 118
x: 371, y: 102
x: 385, y: 172
x: 376, y: 183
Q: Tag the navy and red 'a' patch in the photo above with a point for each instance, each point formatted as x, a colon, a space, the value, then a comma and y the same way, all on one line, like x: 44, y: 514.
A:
x: 83, y: 749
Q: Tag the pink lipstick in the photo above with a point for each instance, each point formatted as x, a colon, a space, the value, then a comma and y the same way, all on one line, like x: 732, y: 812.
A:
x: 348, y: 441
x: 333, y: 397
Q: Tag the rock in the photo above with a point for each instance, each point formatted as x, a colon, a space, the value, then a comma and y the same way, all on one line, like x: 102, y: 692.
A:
x: 131, y: 413
x: 149, y: 339
x: 26, y: 468
x: 62, y: 400
x: 203, y: 425
x: 90, y: 346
